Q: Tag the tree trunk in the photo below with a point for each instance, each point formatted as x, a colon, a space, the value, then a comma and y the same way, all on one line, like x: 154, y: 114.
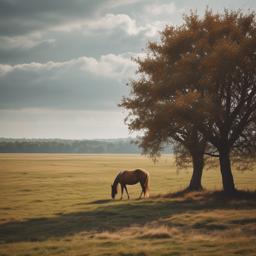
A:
x: 198, y: 165
x: 226, y: 173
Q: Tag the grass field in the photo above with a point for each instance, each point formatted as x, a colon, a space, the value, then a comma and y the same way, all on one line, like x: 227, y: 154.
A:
x: 60, y: 205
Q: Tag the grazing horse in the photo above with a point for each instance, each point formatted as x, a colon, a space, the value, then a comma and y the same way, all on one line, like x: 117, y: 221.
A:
x: 131, y: 178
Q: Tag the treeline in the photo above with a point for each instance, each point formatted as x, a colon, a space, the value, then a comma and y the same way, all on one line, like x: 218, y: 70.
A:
x: 108, y: 146
x: 118, y: 146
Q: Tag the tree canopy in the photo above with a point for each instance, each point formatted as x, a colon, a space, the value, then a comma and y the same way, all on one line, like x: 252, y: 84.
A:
x: 199, y: 82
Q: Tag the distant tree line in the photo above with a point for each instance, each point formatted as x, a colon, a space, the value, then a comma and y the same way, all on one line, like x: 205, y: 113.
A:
x: 114, y: 146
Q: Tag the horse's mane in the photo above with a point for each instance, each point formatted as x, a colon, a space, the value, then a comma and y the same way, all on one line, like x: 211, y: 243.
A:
x: 117, y: 179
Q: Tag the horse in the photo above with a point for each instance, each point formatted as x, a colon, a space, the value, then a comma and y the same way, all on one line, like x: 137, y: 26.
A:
x: 131, y: 178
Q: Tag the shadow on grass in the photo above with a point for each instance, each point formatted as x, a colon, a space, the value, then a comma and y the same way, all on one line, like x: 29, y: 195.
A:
x: 103, y: 201
x: 115, y: 216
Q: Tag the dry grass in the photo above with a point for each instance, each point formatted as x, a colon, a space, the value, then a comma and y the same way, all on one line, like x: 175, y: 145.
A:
x: 59, y: 205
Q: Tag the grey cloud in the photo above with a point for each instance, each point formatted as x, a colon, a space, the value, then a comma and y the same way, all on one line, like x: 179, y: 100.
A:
x: 21, y: 17
x: 73, y: 45
x: 40, y: 35
x: 75, y: 91
x: 27, y: 16
x: 83, y: 83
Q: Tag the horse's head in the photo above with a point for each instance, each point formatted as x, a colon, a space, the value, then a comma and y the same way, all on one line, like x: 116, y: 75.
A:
x: 113, y: 191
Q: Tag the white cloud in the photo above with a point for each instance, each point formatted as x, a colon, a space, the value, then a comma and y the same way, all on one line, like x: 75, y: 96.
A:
x: 4, y: 69
x: 112, y: 21
x: 25, y: 42
x: 110, y: 65
x: 33, y: 66
x: 154, y: 28
x: 109, y: 22
x: 160, y: 9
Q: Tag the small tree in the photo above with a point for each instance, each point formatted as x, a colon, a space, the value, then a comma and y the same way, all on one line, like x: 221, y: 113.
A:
x: 189, y: 144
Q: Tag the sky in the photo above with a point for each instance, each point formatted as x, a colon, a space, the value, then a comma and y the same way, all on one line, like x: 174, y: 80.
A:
x: 64, y: 64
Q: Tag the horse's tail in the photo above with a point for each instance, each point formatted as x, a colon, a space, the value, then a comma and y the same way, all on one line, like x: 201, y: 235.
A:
x: 146, y: 185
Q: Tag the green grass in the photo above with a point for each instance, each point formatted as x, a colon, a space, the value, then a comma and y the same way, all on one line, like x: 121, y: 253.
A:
x: 60, y: 205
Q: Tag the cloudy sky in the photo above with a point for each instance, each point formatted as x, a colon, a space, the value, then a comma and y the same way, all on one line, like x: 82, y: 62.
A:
x: 64, y: 64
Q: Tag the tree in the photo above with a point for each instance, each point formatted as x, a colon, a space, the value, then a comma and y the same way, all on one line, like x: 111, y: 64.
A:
x: 224, y: 95
x: 152, y: 109
x: 187, y: 148
x: 200, y: 77
x: 160, y: 129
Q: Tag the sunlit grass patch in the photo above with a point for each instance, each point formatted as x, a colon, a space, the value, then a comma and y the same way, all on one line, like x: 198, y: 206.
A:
x: 159, y: 232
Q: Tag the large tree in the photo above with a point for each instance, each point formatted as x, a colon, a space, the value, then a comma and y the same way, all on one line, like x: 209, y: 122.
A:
x: 152, y: 109
x: 201, y: 78
x: 224, y: 94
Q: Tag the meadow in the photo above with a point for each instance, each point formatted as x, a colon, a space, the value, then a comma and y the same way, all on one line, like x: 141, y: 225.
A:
x: 59, y: 204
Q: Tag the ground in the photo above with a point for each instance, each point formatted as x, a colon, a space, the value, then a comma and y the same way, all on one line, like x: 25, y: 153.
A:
x: 60, y: 205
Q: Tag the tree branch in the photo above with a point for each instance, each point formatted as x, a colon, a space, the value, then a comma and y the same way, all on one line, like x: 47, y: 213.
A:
x: 211, y: 154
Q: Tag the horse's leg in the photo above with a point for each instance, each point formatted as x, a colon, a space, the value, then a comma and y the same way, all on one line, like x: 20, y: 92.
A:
x: 142, y: 190
x: 126, y: 191
x: 122, y: 191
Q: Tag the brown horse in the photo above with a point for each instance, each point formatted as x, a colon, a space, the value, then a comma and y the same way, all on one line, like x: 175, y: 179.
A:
x: 131, y: 178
